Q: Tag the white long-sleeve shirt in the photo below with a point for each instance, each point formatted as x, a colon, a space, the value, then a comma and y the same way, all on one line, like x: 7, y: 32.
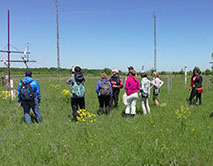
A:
x: 146, y: 85
x: 157, y: 82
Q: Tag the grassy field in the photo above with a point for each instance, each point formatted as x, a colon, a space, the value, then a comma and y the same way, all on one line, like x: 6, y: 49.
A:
x: 164, y: 137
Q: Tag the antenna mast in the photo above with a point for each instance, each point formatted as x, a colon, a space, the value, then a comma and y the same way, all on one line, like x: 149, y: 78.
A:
x: 155, y: 49
x: 9, y: 52
x: 58, y: 56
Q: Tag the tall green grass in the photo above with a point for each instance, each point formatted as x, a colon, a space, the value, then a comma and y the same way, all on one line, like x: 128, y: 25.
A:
x: 155, y: 139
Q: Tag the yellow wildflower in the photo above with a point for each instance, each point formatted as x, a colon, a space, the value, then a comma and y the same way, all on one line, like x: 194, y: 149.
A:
x: 193, y: 130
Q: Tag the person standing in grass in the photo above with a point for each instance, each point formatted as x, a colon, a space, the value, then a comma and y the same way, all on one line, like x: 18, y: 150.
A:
x: 77, y: 91
x: 156, y: 89
x: 104, y: 92
x: 132, y: 86
x: 29, y: 97
x: 193, y: 86
x: 146, y: 85
x: 116, y: 86
x: 198, y: 82
x: 198, y: 87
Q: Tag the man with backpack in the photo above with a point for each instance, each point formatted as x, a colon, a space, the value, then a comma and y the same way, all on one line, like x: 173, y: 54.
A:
x: 104, y: 91
x: 77, y: 91
x: 116, y: 86
x: 29, y: 97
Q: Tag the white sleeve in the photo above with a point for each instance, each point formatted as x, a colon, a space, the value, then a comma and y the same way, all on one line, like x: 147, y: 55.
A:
x: 161, y: 83
x: 142, y: 85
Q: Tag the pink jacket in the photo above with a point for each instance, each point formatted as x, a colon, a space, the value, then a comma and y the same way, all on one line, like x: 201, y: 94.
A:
x: 131, y: 86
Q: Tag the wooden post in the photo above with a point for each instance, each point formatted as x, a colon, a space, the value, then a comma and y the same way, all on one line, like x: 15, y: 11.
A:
x: 169, y: 83
x: 185, y: 75
x: 207, y: 84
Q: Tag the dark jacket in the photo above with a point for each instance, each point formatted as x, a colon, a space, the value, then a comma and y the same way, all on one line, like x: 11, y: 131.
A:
x: 116, y: 81
x: 198, y: 82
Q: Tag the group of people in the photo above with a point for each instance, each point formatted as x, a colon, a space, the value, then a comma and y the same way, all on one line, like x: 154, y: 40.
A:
x: 132, y: 86
x: 107, y: 91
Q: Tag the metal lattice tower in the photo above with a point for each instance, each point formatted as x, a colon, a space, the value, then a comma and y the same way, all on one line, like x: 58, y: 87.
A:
x: 155, y: 45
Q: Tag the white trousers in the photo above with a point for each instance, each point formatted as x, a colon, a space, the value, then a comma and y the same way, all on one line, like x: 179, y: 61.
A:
x: 145, y: 105
x: 131, y: 102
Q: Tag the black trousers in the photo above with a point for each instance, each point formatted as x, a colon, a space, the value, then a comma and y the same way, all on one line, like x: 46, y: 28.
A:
x: 194, y: 93
x: 75, y: 103
x: 198, y: 97
x: 104, y: 101
x: 115, y: 95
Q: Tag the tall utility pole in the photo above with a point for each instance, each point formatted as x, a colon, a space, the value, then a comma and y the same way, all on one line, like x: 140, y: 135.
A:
x: 58, y: 55
x: 8, y: 65
x: 155, y: 49
x: 212, y: 61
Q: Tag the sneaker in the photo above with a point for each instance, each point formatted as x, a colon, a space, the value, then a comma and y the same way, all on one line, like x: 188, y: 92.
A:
x: 126, y: 115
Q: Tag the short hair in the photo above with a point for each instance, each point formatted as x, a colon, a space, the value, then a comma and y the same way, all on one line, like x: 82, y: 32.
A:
x: 143, y: 75
x: 28, y: 73
x: 104, y: 75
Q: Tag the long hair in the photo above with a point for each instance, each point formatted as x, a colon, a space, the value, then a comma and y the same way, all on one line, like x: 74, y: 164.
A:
x: 133, y: 73
x: 156, y: 74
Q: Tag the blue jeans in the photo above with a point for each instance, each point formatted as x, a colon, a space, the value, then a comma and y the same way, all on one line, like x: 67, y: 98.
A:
x: 27, y: 106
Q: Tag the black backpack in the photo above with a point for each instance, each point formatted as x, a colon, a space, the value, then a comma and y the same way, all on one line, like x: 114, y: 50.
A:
x: 105, y: 88
x: 26, y: 92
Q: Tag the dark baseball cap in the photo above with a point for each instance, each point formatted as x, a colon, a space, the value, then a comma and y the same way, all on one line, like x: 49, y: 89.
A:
x: 28, y: 73
x: 130, y: 68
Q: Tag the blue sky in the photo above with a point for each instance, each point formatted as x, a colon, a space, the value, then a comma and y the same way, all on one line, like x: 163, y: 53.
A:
x: 111, y: 33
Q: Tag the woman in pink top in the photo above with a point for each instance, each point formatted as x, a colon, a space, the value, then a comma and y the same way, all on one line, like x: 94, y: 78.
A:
x: 132, y: 86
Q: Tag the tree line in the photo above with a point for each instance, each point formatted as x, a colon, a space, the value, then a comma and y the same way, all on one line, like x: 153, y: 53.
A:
x: 96, y: 72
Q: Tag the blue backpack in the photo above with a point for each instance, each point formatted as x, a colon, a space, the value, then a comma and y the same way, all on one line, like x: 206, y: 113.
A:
x: 78, y: 89
x: 26, y: 92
